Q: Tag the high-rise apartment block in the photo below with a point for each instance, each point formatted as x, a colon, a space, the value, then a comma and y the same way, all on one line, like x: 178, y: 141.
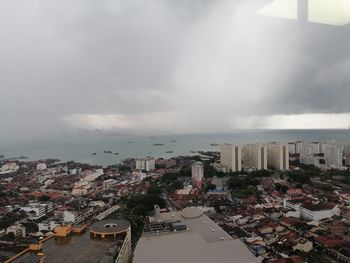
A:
x: 145, y: 164
x: 230, y: 157
x: 254, y: 156
x: 197, y: 174
x: 333, y: 154
x: 277, y: 156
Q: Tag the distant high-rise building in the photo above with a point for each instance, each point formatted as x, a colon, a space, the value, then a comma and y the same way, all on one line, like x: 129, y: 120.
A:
x: 333, y: 154
x: 145, y: 164
x: 197, y: 174
x: 277, y: 156
x: 316, y: 148
x: 347, y: 153
x: 254, y: 156
x: 291, y: 148
x: 230, y: 157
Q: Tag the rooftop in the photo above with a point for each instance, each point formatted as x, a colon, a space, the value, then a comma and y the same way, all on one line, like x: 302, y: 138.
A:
x: 74, y: 249
x: 110, y: 226
x: 79, y: 248
x: 203, y: 241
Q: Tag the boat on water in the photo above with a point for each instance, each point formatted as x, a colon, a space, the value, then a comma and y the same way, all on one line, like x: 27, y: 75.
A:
x: 94, y: 153
x: 214, y: 144
x: 169, y: 151
x: 107, y: 151
x: 116, y: 153
x: 158, y: 144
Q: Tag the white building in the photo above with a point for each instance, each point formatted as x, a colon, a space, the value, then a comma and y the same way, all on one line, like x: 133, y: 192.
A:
x: 197, y: 174
x: 109, y: 184
x: 41, y: 166
x: 91, y: 176
x: 138, y: 176
x: 230, y: 157
x: 333, y: 154
x: 316, y: 147
x: 17, y: 230
x: 291, y: 148
x: 254, y: 156
x: 314, y: 212
x: 70, y: 216
x: 9, y: 168
x: 38, y: 209
x: 145, y: 164
x: 81, y: 188
x: 277, y: 156
x: 47, y: 226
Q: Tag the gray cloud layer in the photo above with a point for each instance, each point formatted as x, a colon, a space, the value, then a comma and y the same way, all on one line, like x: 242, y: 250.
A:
x: 185, y: 65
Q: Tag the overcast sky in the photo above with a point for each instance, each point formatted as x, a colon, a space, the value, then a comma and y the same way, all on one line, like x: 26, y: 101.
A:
x: 167, y: 66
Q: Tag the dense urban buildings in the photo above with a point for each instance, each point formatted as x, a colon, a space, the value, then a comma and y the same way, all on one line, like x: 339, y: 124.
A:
x: 231, y: 157
x: 272, y: 209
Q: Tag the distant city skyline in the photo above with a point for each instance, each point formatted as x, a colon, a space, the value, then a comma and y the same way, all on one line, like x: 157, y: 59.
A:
x: 172, y: 66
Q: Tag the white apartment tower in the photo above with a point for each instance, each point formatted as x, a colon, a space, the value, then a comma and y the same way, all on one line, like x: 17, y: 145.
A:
x: 230, y: 157
x: 197, y: 174
x: 146, y: 164
x: 333, y: 154
x: 254, y: 156
x: 277, y: 156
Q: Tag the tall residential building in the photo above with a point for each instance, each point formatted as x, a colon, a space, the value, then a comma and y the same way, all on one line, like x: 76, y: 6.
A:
x: 197, y: 174
x: 145, y: 164
x: 347, y: 153
x: 333, y: 154
x: 230, y: 157
x: 254, y: 156
x: 277, y: 156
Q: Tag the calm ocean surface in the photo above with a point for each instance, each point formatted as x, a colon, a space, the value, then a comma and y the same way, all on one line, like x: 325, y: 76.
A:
x: 81, y: 148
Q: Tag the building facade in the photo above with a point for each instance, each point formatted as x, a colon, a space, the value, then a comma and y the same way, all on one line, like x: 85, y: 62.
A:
x: 254, y: 156
x: 145, y: 164
x: 277, y: 156
x: 333, y: 154
x: 231, y: 157
x: 197, y: 174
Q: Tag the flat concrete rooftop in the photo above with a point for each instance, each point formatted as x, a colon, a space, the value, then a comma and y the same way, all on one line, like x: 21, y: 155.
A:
x: 74, y: 249
x: 203, y: 241
x: 78, y: 249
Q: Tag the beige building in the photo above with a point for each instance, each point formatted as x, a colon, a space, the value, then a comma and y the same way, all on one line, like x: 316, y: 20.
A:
x: 197, y: 174
x: 333, y: 154
x: 277, y: 156
x: 230, y: 157
x: 254, y: 156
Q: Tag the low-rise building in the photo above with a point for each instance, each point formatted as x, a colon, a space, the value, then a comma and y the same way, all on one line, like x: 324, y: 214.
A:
x: 312, y: 211
x: 16, y: 230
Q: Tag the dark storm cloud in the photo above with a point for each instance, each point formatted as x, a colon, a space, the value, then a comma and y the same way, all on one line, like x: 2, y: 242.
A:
x: 166, y: 65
